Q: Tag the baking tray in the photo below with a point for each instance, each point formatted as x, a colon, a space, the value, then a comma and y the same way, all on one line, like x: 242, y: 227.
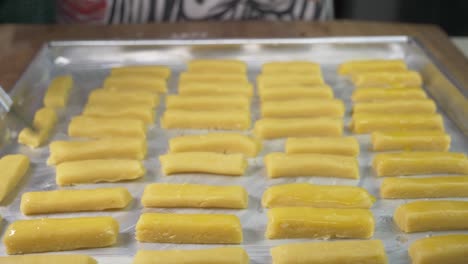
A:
x: 89, y: 63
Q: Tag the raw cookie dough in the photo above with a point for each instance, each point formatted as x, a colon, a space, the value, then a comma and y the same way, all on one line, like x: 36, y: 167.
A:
x: 58, y: 91
x: 48, y: 259
x: 217, y: 65
x: 413, y: 163
x: 374, y: 65
x: 189, y: 228
x: 387, y: 79
x: 379, y: 94
x: 227, y: 143
x: 320, y: 196
x: 214, y: 89
x: 203, y: 162
x: 93, y: 171
x: 104, y: 148
x: 152, y: 84
x: 226, y: 119
x: 296, y: 92
x: 449, y: 249
x: 271, y: 128
x: 123, y: 98
x: 287, y: 67
x: 306, y: 222
x: 138, y: 112
x: 13, y: 168
x: 334, y: 252
x: 311, y: 164
x: 346, y: 146
x: 303, y: 108
x: 60, y: 234
x: 427, y: 187
x: 367, y: 122
x: 221, y: 255
x: 97, y: 127
x: 169, y: 195
x: 63, y: 201
x: 214, y: 103
x: 430, y: 140
x: 419, y: 106
x: 44, y: 122
x: 421, y: 216
x: 152, y: 70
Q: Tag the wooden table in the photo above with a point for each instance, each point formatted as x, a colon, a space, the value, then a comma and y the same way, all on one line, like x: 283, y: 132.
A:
x: 19, y: 43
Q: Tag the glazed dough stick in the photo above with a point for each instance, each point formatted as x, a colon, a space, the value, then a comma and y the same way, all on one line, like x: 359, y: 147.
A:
x: 188, y: 77
x: 58, y: 91
x: 407, y: 106
x: 286, y: 67
x: 440, y: 249
x: 295, y: 92
x: 267, y: 81
x: 152, y: 70
x: 227, y: 143
x: 303, y: 108
x: 189, y: 228
x: 389, y: 94
x: 13, y: 168
x: 63, y: 201
x: 311, y: 164
x: 152, y: 84
x: 167, y: 195
x: 97, y: 127
x: 320, y: 196
x: 431, y: 140
x: 44, y: 259
x: 214, y: 89
x: 138, y: 112
x: 220, y: 255
x: 306, y: 222
x: 218, y: 65
x: 387, y: 79
x: 212, y: 103
x: 226, y: 119
x: 203, y: 162
x: 378, y: 65
x: 346, y: 146
x: 333, y: 252
x: 413, y: 163
x: 421, y: 216
x: 427, y: 187
x: 93, y: 171
x: 44, y: 123
x: 60, y: 234
x: 123, y: 98
x: 367, y: 122
x: 271, y: 128
x: 105, y: 148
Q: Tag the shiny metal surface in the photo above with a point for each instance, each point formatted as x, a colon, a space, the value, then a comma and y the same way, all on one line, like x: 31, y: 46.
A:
x: 89, y: 63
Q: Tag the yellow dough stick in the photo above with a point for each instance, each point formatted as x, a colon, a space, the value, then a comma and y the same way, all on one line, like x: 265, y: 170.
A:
x: 189, y: 228
x: 286, y: 67
x: 428, y: 187
x: 367, y: 122
x: 320, y: 196
x: 48, y: 259
x: 152, y: 84
x: 123, y: 98
x: 105, y: 148
x: 413, y: 163
x: 221, y: 255
x: 227, y: 143
x: 311, y: 164
x: 97, y: 127
x: 387, y: 79
x: 379, y: 65
x: 421, y: 216
x: 229, y: 102
x: 420, y: 106
x: 271, y: 128
x: 167, y: 195
x: 410, y: 140
x: 93, y: 171
x: 189, y: 77
x: 212, y: 66
x: 335, y: 252
x: 203, y: 162
x: 214, y: 89
x: 303, y: 108
x: 346, y: 146
x: 225, y: 119
x: 44, y: 122
x: 139, y: 112
x: 296, y: 92
x: 451, y: 249
x: 151, y: 70
x: 13, y: 168
x: 58, y: 91
x: 276, y: 81
x: 64, y: 201
x: 379, y: 94
x: 60, y: 234
x: 306, y: 222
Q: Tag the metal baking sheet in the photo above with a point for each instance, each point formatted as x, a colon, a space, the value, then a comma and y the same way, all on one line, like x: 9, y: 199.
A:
x: 89, y: 63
